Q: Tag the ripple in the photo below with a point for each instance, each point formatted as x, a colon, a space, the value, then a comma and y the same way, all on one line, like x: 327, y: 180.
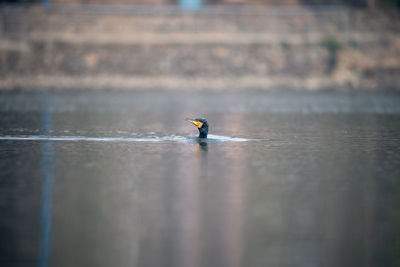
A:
x: 221, y: 138
x: 151, y: 139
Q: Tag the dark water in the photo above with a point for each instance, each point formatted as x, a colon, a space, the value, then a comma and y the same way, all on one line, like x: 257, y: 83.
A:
x: 313, y: 179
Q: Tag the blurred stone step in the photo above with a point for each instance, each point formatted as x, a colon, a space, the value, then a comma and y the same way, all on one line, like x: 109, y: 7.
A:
x: 188, y: 57
x: 256, y: 20
x: 210, y: 38
x: 140, y: 83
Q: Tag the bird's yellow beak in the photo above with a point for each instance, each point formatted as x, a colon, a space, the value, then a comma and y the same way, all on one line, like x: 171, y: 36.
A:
x: 195, y: 122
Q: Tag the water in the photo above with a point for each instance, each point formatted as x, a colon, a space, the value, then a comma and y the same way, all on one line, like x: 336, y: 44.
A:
x: 119, y: 179
x: 172, y: 138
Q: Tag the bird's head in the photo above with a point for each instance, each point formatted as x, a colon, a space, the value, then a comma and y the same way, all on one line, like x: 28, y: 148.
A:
x: 201, y: 124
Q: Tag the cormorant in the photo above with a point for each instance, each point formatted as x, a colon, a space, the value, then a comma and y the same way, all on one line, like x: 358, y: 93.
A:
x: 202, y: 125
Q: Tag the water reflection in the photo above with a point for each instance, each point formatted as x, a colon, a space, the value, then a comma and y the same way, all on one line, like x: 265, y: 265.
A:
x: 202, y: 145
x: 210, y: 211
x: 314, y: 190
x: 189, y: 204
x: 47, y: 165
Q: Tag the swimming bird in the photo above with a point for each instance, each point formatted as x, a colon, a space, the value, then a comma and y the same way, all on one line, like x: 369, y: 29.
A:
x: 201, y: 124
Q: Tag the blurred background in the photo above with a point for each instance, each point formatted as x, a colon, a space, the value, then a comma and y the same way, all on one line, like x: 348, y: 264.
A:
x: 99, y: 168
x: 200, y: 44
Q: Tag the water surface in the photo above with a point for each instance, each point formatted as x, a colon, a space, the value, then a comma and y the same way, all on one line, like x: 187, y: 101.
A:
x: 119, y: 179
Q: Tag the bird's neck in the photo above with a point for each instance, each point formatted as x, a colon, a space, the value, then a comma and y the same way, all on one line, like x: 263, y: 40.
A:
x: 203, y: 133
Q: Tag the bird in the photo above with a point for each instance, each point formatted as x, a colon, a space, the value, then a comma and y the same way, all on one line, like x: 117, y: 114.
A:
x: 201, y: 124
